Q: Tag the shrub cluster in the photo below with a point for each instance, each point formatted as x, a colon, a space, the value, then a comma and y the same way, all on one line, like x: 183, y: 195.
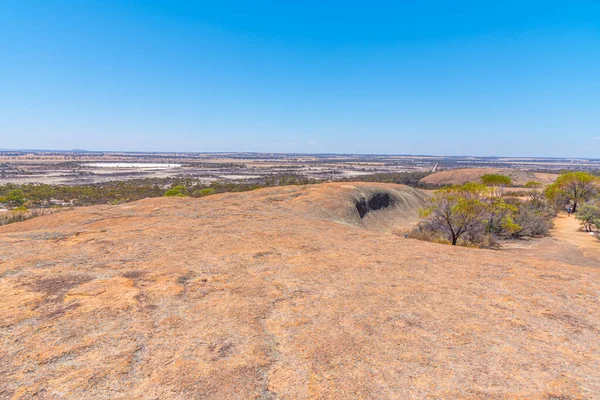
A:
x: 476, y: 215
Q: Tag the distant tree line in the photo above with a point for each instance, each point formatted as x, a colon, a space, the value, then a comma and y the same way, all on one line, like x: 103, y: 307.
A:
x: 114, y: 192
x: 411, y: 178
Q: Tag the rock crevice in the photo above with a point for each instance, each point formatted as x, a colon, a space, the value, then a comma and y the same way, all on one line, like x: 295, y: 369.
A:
x: 376, y: 202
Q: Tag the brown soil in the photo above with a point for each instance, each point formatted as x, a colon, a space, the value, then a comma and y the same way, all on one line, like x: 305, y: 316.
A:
x: 461, y: 176
x: 284, y: 293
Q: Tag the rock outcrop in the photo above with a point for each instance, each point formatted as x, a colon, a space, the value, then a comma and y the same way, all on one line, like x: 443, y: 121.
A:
x: 284, y: 293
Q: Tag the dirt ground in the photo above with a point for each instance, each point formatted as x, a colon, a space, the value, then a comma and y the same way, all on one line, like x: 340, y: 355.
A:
x: 567, y: 228
x: 286, y: 293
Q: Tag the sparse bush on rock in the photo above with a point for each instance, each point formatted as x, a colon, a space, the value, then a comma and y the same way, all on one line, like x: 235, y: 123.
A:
x: 204, y: 192
x: 20, y: 214
x: 496, y: 180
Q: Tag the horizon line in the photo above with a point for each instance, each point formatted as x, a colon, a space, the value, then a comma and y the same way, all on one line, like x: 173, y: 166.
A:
x: 292, y: 153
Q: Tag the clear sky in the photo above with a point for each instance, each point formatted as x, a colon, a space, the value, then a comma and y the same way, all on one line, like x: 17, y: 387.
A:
x: 508, y: 78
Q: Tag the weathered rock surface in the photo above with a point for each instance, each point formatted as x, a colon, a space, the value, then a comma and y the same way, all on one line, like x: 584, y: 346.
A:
x: 465, y: 175
x: 284, y: 293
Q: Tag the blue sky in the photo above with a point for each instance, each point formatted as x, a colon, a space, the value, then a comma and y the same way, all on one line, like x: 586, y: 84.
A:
x: 511, y: 78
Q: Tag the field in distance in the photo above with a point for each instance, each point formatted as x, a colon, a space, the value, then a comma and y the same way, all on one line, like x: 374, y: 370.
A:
x: 80, y: 167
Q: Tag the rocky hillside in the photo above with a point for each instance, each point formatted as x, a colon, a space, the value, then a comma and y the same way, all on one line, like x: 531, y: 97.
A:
x: 284, y: 293
x: 464, y: 175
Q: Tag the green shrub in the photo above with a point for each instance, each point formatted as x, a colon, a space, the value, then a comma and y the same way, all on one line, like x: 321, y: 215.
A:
x: 205, y: 192
x: 496, y: 180
x: 589, y: 216
x: 178, y: 191
x: 15, y: 197
x: 118, y: 192
x: 533, y: 184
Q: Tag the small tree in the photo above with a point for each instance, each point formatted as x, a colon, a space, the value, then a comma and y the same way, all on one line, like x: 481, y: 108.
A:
x: 555, y: 197
x: 456, y: 211
x: 589, y: 215
x: 575, y: 186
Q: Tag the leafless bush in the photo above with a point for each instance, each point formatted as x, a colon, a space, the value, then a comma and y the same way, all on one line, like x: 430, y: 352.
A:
x: 533, y: 221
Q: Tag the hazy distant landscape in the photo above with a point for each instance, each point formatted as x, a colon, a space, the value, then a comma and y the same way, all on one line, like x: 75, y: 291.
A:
x: 76, y: 168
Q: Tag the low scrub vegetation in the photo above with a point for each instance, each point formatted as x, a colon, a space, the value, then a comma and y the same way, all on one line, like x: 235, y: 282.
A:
x: 43, y: 196
x: 117, y: 192
x: 533, y: 185
x: 402, y: 178
x: 589, y: 216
